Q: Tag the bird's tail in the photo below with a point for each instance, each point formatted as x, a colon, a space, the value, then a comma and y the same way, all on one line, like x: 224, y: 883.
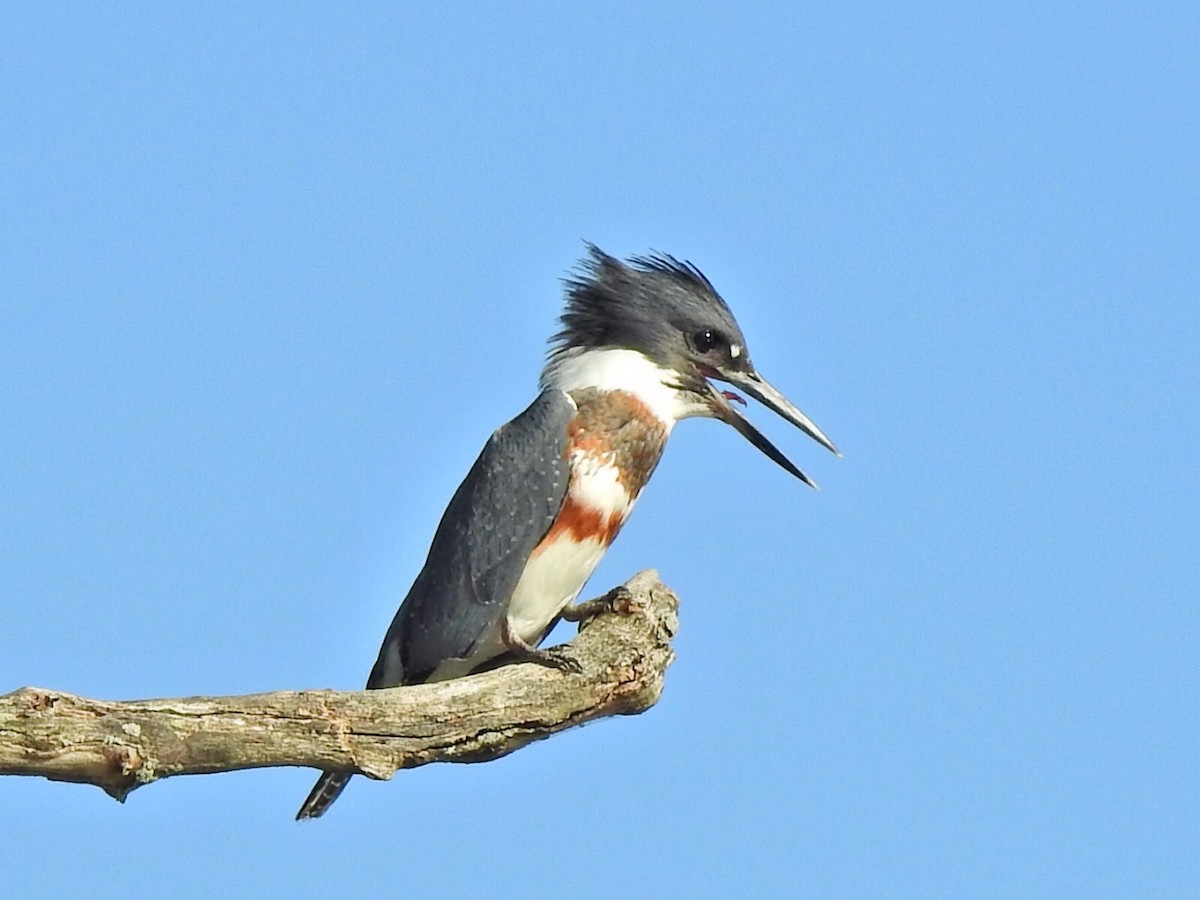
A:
x: 324, y: 792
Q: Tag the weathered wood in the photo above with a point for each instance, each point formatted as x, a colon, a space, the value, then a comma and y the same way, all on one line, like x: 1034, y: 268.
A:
x: 122, y: 745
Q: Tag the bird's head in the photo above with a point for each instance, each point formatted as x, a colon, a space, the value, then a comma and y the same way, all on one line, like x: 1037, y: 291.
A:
x: 655, y: 309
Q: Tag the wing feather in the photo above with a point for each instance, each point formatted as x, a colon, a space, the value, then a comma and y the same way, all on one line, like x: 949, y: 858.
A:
x: 498, y: 515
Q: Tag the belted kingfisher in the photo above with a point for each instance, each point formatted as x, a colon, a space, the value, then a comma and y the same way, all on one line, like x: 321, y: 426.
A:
x: 641, y: 344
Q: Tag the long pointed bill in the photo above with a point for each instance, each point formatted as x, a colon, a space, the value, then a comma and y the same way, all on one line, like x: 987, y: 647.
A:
x: 758, y: 388
x: 726, y: 413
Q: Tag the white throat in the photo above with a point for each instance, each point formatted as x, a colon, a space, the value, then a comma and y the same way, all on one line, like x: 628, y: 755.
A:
x: 622, y: 370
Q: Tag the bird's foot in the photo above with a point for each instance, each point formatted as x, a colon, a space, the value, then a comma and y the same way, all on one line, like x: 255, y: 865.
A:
x: 619, y: 599
x: 554, y: 658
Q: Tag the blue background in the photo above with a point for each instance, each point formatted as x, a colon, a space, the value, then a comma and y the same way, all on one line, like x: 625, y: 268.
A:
x: 269, y: 277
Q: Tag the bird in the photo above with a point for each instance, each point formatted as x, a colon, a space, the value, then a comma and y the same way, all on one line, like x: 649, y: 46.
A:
x: 643, y: 344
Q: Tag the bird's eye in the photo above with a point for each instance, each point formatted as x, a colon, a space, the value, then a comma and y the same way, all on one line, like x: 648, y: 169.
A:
x: 707, y: 340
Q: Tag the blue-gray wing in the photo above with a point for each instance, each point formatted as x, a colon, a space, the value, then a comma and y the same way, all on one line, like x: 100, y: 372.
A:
x: 498, y: 515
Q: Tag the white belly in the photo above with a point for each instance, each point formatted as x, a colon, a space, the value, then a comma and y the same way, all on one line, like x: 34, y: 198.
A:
x: 551, y: 580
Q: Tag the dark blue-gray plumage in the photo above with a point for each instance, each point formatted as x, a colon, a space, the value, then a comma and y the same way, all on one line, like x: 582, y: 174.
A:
x: 477, y: 555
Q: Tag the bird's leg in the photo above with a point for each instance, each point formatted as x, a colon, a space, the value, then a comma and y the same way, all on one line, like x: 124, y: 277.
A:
x: 619, y: 599
x: 523, y: 651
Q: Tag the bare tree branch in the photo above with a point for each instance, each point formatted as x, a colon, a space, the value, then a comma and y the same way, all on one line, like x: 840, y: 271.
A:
x: 120, y: 746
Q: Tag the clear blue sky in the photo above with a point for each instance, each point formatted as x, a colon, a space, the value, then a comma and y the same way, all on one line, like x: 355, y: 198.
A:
x: 270, y: 277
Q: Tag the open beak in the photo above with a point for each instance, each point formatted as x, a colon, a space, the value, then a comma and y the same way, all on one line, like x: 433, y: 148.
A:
x: 761, y: 390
